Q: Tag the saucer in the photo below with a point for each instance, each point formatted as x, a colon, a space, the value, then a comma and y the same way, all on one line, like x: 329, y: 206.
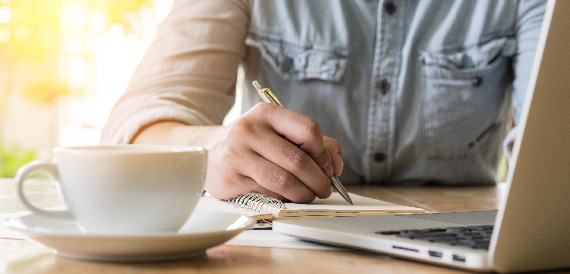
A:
x: 203, y: 230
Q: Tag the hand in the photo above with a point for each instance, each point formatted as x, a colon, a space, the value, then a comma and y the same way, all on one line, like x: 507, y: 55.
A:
x: 274, y: 151
x: 270, y: 149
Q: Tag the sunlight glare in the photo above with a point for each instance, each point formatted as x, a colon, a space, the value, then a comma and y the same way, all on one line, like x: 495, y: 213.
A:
x: 5, y: 36
x: 74, y: 15
x: 97, y: 22
x: 22, y: 32
x: 74, y: 46
x: 5, y: 15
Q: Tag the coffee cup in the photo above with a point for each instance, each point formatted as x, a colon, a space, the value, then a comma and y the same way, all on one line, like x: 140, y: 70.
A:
x: 122, y: 189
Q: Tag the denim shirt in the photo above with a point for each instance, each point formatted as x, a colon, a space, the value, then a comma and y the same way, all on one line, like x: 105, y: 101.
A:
x: 415, y: 91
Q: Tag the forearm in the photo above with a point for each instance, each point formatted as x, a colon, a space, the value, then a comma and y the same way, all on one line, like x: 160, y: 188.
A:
x: 176, y: 133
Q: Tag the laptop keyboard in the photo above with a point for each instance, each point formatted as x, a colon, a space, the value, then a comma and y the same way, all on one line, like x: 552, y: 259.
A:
x: 476, y: 237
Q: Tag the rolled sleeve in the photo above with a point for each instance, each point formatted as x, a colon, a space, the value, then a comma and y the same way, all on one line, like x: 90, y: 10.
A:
x: 189, y: 72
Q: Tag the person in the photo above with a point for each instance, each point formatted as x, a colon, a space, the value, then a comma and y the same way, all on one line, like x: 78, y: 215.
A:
x: 378, y: 92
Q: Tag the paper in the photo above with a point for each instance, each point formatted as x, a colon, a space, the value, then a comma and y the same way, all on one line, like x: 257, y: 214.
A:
x: 332, y: 207
x: 270, y: 238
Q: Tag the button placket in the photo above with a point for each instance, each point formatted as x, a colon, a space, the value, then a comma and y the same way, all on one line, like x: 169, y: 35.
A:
x: 382, y: 105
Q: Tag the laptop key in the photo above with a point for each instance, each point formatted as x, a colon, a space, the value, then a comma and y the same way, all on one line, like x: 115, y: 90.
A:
x: 476, y: 237
x: 390, y: 232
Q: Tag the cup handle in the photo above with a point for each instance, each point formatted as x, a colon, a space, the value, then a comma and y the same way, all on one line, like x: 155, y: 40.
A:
x: 20, y: 178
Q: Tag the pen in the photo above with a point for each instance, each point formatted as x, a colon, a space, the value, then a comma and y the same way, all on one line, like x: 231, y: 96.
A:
x: 268, y: 96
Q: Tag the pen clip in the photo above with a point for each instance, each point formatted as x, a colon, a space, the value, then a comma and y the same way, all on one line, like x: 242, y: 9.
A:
x: 266, y: 94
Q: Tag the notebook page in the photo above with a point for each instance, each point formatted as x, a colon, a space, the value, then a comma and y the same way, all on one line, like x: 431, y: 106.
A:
x: 332, y: 206
x: 337, y: 206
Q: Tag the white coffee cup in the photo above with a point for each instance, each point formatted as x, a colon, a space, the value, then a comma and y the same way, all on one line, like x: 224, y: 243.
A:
x: 123, y: 189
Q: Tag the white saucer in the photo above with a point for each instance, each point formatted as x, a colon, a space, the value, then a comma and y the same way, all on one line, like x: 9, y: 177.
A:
x: 203, y: 230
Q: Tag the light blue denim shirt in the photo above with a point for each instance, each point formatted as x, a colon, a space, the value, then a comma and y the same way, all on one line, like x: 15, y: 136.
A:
x: 415, y: 91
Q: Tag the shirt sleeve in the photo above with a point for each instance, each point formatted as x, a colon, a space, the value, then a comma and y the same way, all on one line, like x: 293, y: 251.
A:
x: 529, y: 23
x: 530, y: 17
x: 188, y: 73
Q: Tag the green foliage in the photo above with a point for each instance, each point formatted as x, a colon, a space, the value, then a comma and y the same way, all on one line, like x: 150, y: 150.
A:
x: 12, y: 158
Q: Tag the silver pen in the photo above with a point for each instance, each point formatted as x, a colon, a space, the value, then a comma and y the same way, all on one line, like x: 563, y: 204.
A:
x: 268, y: 96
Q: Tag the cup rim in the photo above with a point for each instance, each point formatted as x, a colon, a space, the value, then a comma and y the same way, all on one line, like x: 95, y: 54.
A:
x: 129, y: 149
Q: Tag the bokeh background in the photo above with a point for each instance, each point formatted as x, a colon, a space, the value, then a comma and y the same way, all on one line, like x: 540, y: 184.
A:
x: 63, y: 64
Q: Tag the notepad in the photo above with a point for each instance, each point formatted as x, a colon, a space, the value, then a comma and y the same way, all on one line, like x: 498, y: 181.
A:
x: 335, y: 206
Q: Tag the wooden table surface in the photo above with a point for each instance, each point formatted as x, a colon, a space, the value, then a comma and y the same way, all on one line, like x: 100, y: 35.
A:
x: 23, y: 256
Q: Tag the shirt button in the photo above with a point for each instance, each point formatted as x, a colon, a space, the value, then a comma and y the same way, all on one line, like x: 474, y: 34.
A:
x: 390, y: 7
x: 379, y: 157
x: 384, y: 86
x: 477, y: 81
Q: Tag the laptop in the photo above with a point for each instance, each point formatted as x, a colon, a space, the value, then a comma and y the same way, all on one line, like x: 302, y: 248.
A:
x: 530, y: 231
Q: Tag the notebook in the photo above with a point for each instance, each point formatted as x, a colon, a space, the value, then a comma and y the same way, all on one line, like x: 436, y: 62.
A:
x: 266, y: 209
x: 529, y: 231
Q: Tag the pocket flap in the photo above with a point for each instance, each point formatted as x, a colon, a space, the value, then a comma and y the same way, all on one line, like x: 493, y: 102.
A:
x: 475, y: 57
x: 300, y: 61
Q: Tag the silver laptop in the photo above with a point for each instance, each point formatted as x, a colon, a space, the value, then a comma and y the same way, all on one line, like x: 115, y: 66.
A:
x: 531, y: 229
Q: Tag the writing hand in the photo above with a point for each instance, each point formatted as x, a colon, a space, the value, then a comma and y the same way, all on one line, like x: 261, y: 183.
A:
x: 274, y: 151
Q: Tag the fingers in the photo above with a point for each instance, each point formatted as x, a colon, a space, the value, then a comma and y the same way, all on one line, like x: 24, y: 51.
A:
x: 242, y: 170
x: 273, y: 151
x: 278, y: 180
x: 300, y: 130
x: 335, y: 150
x: 291, y: 164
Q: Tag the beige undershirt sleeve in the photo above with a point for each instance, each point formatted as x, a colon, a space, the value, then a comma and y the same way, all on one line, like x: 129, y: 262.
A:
x: 188, y: 73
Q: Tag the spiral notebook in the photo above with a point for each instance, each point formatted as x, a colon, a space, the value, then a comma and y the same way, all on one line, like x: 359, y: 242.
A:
x: 265, y: 208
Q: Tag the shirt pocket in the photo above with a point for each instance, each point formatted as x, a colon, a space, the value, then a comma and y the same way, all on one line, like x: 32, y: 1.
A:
x: 298, y: 60
x: 463, y: 98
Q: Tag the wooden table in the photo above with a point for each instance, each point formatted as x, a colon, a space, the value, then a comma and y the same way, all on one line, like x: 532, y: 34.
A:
x: 28, y: 257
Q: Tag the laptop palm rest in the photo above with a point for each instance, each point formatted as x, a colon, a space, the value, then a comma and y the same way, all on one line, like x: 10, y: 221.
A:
x: 460, y: 218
